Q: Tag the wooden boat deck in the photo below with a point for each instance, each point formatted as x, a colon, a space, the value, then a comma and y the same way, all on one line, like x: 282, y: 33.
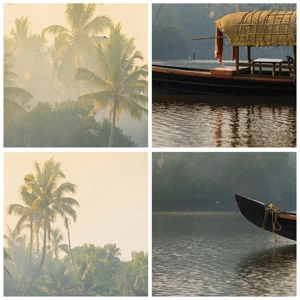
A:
x: 223, y: 72
x: 228, y: 70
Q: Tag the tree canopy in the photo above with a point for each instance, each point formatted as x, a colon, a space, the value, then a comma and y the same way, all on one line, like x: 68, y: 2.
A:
x: 208, y: 181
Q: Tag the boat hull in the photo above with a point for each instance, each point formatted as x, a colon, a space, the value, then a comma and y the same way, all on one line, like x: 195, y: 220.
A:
x: 255, y: 212
x: 184, y: 80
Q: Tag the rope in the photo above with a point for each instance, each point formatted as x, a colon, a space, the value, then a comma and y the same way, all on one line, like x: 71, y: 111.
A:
x: 274, y: 211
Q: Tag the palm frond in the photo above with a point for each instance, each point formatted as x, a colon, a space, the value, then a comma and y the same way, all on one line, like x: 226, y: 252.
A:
x: 86, y: 75
x: 69, y: 201
x: 7, y: 272
x: 7, y: 257
x: 97, y: 25
x: 74, y: 13
x: 65, y: 187
x: 134, y: 109
x: 21, y: 223
x: 16, y: 209
x: 101, y: 99
x: 55, y: 30
x: 69, y: 211
x: 88, y: 13
x: 136, y: 75
x: 17, y: 94
x: 27, y: 197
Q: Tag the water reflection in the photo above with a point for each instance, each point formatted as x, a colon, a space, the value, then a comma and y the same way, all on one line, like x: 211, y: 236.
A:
x: 232, y: 121
x: 257, y: 270
x: 219, y: 254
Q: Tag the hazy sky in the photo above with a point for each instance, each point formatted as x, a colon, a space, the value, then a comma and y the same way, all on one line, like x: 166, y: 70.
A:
x: 111, y: 190
x: 134, y: 18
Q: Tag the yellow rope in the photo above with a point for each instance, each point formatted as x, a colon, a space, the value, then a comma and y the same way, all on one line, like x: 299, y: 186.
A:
x: 274, y: 211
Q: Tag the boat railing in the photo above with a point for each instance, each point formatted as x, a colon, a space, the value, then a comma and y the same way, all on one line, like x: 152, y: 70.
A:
x: 269, y: 67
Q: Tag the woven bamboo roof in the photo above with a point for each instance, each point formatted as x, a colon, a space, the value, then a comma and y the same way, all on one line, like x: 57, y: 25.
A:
x: 259, y: 28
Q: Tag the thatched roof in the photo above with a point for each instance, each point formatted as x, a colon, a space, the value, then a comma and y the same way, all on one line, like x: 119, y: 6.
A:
x: 259, y: 28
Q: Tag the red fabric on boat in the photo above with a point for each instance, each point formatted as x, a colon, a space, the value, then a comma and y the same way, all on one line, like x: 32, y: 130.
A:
x: 219, y: 44
x: 233, y: 53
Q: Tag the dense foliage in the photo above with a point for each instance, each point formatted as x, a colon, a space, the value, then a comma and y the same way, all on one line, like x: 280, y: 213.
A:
x: 174, y: 25
x: 98, y: 271
x: 208, y: 181
x: 64, y: 124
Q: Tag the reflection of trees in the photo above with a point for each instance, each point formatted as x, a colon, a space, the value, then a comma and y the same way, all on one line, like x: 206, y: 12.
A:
x: 234, y: 124
x: 217, y: 128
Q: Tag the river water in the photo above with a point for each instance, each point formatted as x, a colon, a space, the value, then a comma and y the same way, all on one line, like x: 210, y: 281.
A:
x: 222, y: 120
x: 219, y: 254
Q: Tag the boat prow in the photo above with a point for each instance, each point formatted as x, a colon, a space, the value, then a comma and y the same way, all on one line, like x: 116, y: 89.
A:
x: 268, y: 217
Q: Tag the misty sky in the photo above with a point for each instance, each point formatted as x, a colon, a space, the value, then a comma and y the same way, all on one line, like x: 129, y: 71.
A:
x: 134, y: 18
x: 111, y: 190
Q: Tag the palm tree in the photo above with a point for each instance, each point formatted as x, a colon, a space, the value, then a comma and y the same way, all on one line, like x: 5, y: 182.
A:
x: 37, y: 226
x: 58, y: 280
x: 67, y: 225
x: 21, y: 41
x: 27, y: 214
x: 50, y: 201
x: 56, y: 243
x: 123, y: 86
x: 73, y: 46
x: 15, y: 247
x: 12, y: 238
x: 15, y: 98
x: 7, y: 257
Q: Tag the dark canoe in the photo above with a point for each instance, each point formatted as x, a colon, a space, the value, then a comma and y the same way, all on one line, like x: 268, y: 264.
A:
x: 222, y: 80
x: 255, y: 212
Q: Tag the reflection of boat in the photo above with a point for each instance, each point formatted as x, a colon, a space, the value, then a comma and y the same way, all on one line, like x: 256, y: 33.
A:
x: 268, y: 217
x: 259, y: 270
x: 263, y: 76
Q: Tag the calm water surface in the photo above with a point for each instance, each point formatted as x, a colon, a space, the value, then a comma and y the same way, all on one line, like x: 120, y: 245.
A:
x: 222, y: 121
x: 219, y: 254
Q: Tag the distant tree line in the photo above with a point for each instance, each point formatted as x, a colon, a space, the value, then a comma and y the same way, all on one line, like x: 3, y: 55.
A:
x: 208, y: 181
x: 174, y: 25
x: 63, y: 124
x: 97, y: 271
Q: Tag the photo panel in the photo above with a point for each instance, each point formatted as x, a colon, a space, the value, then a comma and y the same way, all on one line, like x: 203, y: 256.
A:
x: 75, y: 75
x: 75, y: 224
x: 224, y: 75
x: 224, y: 224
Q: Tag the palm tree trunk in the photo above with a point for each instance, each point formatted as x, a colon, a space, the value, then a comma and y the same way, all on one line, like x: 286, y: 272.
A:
x: 71, y: 254
x: 35, y: 276
x: 37, y: 232
x: 113, y: 125
x: 77, y: 66
x: 29, y: 258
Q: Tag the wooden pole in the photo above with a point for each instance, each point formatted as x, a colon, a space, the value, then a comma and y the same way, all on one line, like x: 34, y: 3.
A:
x: 295, y: 59
x: 249, y: 54
x: 237, y: 61
x: 209, y: 38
